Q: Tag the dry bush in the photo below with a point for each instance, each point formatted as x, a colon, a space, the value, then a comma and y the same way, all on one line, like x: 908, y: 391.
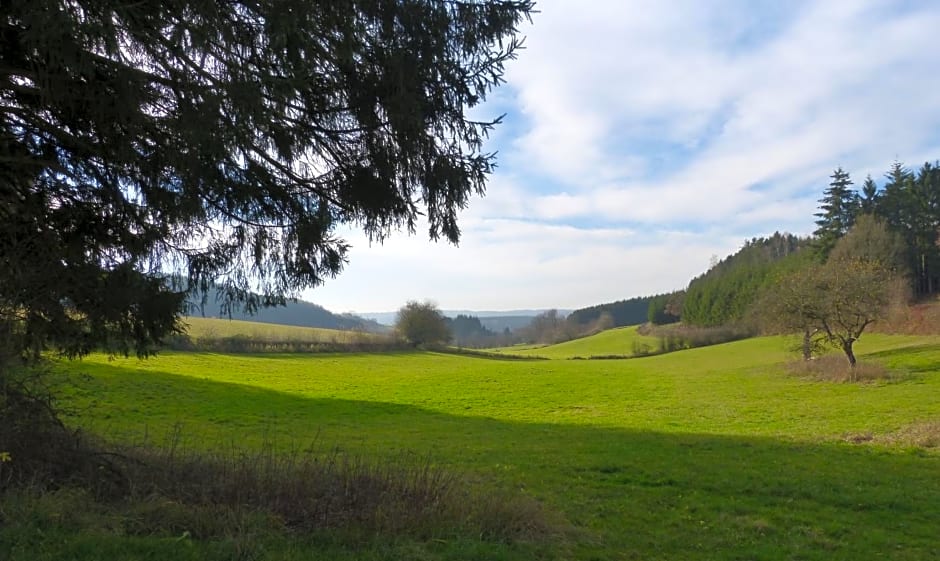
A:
x: 835, y: 368
x: 918, y: 319
x: 924, y: 434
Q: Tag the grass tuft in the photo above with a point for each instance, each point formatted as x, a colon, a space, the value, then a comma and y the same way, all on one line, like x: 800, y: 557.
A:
x: 923, y: 434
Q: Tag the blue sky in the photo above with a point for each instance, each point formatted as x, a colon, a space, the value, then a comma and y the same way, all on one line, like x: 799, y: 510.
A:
x: 642, y: 138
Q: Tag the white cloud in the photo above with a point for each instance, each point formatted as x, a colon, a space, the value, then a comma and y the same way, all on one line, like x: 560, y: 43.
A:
x: 647, y: 136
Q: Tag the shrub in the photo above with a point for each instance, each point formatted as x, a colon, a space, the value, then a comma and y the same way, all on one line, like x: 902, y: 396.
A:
x: 678, y: 337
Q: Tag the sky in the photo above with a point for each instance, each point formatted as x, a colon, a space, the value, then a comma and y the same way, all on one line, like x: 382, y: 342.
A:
x: 644, y: 139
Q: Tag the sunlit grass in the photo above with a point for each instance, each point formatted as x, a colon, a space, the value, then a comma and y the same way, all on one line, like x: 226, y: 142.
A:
x: 217, y: 328
x: 621, y: 341
x: 711, y: 453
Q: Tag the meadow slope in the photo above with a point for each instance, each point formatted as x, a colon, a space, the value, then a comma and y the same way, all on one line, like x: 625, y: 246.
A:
x: 217, y: 328
x: 711, y: 453
x: 620, y: 341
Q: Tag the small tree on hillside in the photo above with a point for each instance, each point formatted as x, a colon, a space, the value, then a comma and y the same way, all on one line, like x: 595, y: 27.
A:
x: 421, y: 323
x: 831, y: 304
x: 792, y: 304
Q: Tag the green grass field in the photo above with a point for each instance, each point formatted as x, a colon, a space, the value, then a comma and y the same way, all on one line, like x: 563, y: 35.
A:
x: 215, y: 328
x: 621, y: 341
x: 714, y: 453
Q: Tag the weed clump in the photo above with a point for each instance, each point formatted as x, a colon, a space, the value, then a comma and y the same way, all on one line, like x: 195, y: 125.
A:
x: 834, y: 368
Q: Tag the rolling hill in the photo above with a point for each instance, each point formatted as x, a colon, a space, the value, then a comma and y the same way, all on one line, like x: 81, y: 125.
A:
x: 620, y: 341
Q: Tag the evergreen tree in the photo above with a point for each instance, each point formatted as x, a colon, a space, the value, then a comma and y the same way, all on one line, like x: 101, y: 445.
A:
x: 869, y: 198
x: 837, y: 212
x: 660, y: 309
x: 726, y: 293
x: 924, y: 214
x: 226, y: 141
x: 893, y: 205
x: 910, y: 205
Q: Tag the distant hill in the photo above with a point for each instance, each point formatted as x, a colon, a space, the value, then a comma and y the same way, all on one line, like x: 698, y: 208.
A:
x: 298, y: 313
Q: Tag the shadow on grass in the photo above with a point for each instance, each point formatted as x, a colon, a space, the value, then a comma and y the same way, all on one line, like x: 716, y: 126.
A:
x: 635, y: 493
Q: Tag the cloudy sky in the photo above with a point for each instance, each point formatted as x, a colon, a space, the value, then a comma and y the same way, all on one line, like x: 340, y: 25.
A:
x: 642, y: 138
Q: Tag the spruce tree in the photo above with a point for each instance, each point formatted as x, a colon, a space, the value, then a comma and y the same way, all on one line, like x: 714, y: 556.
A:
x: 893, y: 205
x: 838, y: 208
x: 868, y: 201
x: 225, y: 142
x: 910, y: 205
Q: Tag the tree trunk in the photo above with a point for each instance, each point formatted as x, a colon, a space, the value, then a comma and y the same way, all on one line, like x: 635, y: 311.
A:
x: 847, y: 347
x: 807, y: 345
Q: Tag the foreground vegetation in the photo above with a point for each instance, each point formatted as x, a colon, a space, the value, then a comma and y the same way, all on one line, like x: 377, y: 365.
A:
x: 711, y: 453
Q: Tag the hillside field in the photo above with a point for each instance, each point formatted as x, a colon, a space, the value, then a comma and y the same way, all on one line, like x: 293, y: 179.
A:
x: 716, y: 453
x: 620, y: 341
x: 217, y: 328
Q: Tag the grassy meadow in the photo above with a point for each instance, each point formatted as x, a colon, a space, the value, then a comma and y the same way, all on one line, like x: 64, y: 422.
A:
x: 621, y: 341
x: 710, y: 453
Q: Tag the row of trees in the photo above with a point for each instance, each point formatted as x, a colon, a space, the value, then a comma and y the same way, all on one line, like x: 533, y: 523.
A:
x: 422, y: 324
x: 909, y: 205
x: 871, y: 248
x: 726, y: 292
x: 622, y: 312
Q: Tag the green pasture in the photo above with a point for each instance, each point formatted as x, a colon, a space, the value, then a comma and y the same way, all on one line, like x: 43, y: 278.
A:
x: 621, y: 341
x: 714, y: 453
x: 216, y: 328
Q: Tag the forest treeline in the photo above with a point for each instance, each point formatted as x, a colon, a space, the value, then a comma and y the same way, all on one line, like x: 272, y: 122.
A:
x: 907, y: 202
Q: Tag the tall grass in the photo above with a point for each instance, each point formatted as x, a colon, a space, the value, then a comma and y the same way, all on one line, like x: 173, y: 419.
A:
x: 171, y: 488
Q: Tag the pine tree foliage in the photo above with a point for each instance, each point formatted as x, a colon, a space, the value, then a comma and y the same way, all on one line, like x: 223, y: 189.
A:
x: 632, y: 311
x: 665, y: 308
x: 727, y: 291
x: 869, y: 197
x: 923, y: 232
x: 838, y: 208
x: 909, y: 204
x: 227, y: 141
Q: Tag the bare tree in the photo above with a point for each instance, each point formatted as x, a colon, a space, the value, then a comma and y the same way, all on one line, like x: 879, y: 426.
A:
x: 832, y: 304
